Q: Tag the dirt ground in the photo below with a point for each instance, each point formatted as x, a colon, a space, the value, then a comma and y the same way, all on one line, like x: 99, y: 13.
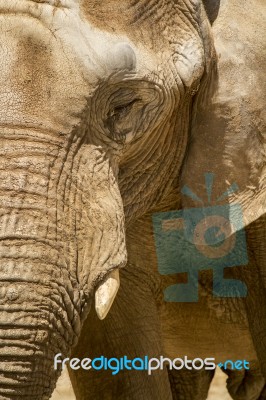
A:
x: 217, y: 390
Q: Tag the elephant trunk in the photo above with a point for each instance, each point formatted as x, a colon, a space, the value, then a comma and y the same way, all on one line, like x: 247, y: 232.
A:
x: 35, y: 325
x: 38, y: 318
x: 61, y: 237
x: 25, y: 358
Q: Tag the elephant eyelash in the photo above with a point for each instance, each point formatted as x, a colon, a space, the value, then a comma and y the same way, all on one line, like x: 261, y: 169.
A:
x: 122, y: 110
x: 117, y: 122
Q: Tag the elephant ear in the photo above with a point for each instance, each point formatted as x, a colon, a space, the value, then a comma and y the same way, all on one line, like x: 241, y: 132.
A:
x: 228, y: 120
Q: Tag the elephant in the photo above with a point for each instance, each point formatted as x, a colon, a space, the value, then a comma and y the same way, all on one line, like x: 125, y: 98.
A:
x: 103, y: 121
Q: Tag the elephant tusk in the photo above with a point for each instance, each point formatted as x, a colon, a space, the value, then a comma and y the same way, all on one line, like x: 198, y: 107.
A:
x: 106, y: 292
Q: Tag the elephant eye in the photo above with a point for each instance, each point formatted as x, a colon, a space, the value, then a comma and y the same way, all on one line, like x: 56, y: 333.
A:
x: 121, y: 111
x: 121, y: 120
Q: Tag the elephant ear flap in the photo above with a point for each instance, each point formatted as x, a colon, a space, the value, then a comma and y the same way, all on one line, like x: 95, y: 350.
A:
x: 225, y: 161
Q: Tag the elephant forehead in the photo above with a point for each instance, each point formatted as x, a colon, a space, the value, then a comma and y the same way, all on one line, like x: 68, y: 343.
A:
x: 160, y: 32
x: 114, y: 35
x: 96, y: 50
x: 64, y: 54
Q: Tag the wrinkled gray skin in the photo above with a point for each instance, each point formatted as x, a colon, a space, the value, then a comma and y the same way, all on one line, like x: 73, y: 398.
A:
x: 105, y: 111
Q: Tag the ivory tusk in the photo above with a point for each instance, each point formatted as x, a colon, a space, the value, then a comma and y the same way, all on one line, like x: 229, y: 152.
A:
x: 105, y: 293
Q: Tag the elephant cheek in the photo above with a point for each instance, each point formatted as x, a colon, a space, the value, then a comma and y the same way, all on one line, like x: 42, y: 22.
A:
x: 101, y: 231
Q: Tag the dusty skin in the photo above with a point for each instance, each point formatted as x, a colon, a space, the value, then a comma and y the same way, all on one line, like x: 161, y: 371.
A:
x: 107, y: 109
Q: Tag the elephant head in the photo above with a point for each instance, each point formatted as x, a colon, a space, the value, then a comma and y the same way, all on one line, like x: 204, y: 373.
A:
x: 95, y: 113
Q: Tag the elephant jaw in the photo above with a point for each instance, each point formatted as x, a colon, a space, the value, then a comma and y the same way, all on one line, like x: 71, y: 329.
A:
x: 106, y: 293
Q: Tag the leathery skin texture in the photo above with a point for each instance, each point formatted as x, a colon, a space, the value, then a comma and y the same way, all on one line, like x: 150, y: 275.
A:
x: 107, y: 109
